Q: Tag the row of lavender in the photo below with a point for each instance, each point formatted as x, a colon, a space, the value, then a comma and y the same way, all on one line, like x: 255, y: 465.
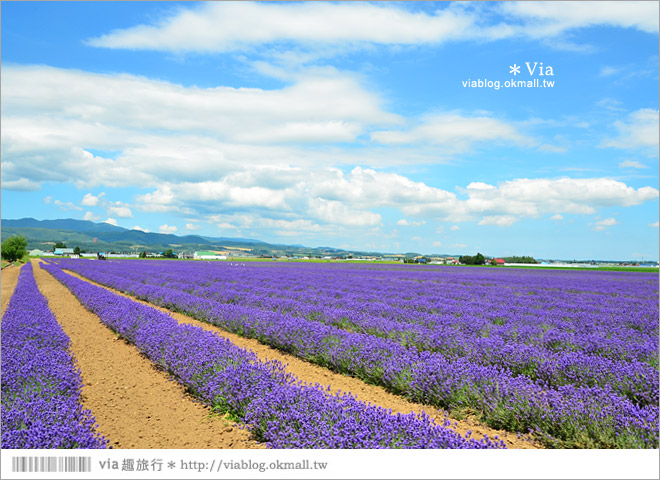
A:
x: 574, y: 415
x: 548, y: 343
x: 593, y: 339
x: 274, y: 405
x: 578, y: 306
x: 40, y: 381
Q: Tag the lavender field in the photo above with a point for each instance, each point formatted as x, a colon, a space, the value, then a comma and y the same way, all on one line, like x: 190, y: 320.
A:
x: 40, y: 381
x: 570, y: 356
x: 273, y: 404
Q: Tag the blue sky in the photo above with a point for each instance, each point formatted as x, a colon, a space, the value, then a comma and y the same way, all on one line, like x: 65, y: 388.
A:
x: 345, y: 124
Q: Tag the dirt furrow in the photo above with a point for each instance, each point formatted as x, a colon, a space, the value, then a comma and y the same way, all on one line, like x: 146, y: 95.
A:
x: 8, y: 278
x: 135, y: 405
x: 365, y: 392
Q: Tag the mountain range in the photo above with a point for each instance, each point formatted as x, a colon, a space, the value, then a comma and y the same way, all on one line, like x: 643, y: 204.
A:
x: 104, y: 237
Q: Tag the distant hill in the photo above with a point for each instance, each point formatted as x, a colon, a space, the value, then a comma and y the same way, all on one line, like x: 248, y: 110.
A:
x: 63, y: 224
x: 103, y: 237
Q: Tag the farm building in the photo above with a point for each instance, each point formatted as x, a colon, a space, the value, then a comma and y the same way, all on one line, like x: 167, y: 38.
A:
x: 63, y: 251
x: 209, y: 255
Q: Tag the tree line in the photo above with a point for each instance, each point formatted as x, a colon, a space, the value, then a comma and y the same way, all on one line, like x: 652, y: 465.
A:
x: 523, y: 259
x: 477, y: 259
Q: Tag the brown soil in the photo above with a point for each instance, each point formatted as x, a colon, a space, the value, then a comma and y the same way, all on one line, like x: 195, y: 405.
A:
x: 9, y: 278
x: 312, y: 374
x: 135, y: 405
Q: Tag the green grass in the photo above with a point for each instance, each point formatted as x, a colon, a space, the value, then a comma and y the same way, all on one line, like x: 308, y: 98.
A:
x: 18, y: 262
x: 614, y: 269
x: 631, y: 269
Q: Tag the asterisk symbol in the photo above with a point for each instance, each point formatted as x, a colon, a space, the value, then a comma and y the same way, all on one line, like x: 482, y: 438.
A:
x: 515, y: 69
x: 171, y: 465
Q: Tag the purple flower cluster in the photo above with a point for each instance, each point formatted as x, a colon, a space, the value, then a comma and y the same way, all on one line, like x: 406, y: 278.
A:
x: 570, y: 355
x: 40, y: 382
x: 275, y: 406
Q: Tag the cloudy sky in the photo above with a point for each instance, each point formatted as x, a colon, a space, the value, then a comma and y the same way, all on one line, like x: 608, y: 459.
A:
x: 354, y: 125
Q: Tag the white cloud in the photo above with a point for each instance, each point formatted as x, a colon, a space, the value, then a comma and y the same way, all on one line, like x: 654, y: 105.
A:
x: 531, y: 197
x: 329, y: 28
x: 640, y: 130
x: 90, y: 200
x: 137, y: 227
x: 160, y: 200
x: 228, y: 26
x: 611, y: 104
x: 557, y: 217
x: 197, y: 164
x: 167, y: 228
x: 608, y: 70
x: 653, y: 225
x: 334, y: 197
x: 334, y: 212
x: 368, y: 188
x: 66, y: 205
x: 47, y: 199
x: 454, y: 228
x: 546, y: 147
x: 323, y: 132
x: 254, y: 223
x: 551, y: 19
x: 192, y: 227
x: 291, y: 228
x: 498, y: 220
x: 404, y: 222
x: 605, y: 223
x: 455, y: 132
x: 298, y: 228
x: 226, y: 226
x: 223, y: 194
x: 113, y: 209
x: 318, y: 100
x: 631, y: 164
x: 120, y: 210
x: 90, y: 217
x: 111, y: 221
x: 21, y: 184
x: 437, y: 244
x: 203, y: 134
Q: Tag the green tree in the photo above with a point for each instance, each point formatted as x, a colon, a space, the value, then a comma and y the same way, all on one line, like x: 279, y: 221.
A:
x: 466, y: 260
x: 14, y: 248
x: 478, y: 259
x: 143, y: 254
x: 59, y: 245
x: 76, y: 250
x: 169, y: 254
x: 523, y: 259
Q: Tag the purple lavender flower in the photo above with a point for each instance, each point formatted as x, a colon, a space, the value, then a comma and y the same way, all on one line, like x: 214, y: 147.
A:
x: 572, y: 355
x: 40, y: 381
x: 275, y: 406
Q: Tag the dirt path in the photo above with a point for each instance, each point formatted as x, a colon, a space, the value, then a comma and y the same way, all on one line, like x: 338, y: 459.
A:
x: 311, y: 373
x: 8, y: 278
x: 135, y: 405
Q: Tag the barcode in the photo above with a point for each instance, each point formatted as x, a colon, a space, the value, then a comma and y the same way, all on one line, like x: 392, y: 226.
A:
x: 51, y: 464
